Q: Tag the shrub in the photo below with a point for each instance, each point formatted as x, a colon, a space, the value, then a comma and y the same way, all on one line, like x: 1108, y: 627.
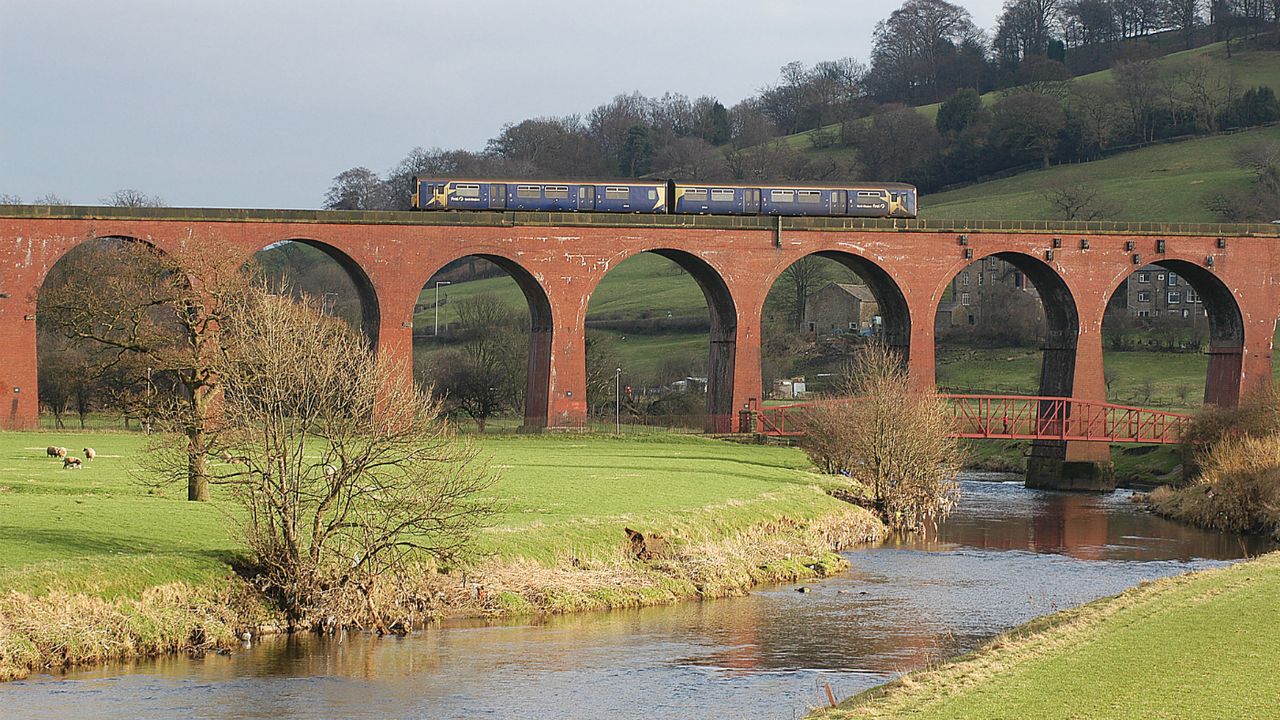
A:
x: 888, y: 436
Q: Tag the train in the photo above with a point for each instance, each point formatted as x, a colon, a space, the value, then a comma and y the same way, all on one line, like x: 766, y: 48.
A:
x: 659, y: 197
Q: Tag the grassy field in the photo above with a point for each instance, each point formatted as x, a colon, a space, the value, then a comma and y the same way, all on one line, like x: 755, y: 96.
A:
x: 101, y: 532
x: 1193, y: 646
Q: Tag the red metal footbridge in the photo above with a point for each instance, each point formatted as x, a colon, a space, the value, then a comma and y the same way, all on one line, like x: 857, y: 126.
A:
x: 1017, y: 417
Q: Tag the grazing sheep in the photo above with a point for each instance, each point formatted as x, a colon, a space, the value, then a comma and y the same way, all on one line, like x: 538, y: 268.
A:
x: 72, y: 463
x: 90, y: 453
x: 51, y: 451
x: 62, y: 452
x: 330, y: 472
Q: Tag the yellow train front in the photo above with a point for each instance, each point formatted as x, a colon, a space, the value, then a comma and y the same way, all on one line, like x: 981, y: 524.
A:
x: 878, y: 200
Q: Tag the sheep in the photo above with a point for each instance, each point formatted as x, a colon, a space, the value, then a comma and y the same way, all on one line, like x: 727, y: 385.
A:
x: 61, y: 451
x: 51, y: 451
x: 330, y: 472
x: 90, y: 454
x: 71, y: 463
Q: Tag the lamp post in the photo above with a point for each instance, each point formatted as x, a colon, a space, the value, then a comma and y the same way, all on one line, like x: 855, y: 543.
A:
x: 617, y: 402
x: 436, y: 331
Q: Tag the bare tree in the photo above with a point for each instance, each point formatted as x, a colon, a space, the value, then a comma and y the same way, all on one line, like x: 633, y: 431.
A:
x: 346, y: 474
x: 7, y: 199
x: 893, y: 439
x: 797, y: 283
x: 1079, y: 199
x: 357, y: 189
x: 132, y: 198
x: 134, y: 306
x: 691, y: 159
x: 485, y: 376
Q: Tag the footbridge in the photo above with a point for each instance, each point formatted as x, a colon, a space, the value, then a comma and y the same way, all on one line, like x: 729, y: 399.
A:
x: 558, y: 260
x: 1014, y: 417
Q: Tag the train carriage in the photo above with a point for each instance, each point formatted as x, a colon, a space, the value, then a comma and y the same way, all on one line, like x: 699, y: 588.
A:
x: 534, y: 195
x: 894, y: 200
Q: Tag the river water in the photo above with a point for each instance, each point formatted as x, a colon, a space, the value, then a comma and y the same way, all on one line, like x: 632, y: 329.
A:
x: 1006, y: 555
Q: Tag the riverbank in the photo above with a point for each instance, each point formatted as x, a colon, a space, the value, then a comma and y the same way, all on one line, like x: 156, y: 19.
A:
x: 1199, y: 645
x: 148, y: 572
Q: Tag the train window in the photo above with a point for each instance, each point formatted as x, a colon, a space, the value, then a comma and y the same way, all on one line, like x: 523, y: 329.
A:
x: 809, y: 196
x: 869, y: 193
x: 782, y: 195
x: 467, y: 191
x: 556, y: 191
x: 653, y: 194
x: 617, y: 193
x: 528, y: 191
x: 696, y: 195
x: 722, y: 195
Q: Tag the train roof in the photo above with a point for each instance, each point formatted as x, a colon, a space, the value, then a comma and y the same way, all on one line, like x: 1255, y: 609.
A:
x: 802, y: 186
x: 658, y: 183
x: 535, y: 181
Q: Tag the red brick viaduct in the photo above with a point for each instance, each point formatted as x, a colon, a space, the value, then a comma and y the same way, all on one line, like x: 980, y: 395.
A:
x: 557, y: 259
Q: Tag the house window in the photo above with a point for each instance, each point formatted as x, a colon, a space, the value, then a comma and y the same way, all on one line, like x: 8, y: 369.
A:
x: 1159, y: 277
x: 1144, y: 277
x: 1144, y: 296
x: 964, y: 279
x: 1193, y: 296
x: 1173, y: 279
x: 991, y: 262
x: 1144, y: 313
x: 964, y: 298
x: 813, y: 327
x: 979, y: 279
x: 1174, y: 298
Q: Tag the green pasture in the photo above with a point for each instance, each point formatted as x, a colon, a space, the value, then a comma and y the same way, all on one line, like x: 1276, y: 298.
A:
x: 99, y: 530
x: 1194, y: 646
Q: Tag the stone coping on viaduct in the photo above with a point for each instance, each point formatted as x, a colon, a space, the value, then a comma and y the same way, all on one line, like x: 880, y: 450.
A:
x: 493, y: 218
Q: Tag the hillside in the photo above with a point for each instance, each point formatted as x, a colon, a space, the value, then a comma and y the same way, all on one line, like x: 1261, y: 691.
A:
x: 1251, y: 68
x: 1161, y: 183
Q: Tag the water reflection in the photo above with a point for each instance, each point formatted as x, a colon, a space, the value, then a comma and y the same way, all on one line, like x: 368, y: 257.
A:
x: 1006, y: 555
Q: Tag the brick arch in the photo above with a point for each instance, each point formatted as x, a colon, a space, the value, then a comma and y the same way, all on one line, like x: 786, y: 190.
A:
x: 541, y: 331
x: 1062, y: 318
x: 891, y: 298
x: 370, y: 307
x: 1226, y: 325
x: 723, y: 309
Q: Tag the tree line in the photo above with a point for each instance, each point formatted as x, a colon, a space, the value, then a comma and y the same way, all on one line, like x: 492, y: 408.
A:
x: 925, y: 51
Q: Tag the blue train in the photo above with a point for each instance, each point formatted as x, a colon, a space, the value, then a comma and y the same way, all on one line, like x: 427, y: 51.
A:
x: 887, y: 200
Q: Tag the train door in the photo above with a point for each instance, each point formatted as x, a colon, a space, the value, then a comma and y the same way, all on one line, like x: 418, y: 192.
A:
x: 497, y: 195
x: 587, y: 197
x: 839, y: 202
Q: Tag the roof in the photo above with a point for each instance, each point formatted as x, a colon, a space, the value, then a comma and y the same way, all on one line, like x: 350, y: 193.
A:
x: 862, y: 292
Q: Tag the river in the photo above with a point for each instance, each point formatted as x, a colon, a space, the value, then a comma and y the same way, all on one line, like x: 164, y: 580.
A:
x: 1006, y: 555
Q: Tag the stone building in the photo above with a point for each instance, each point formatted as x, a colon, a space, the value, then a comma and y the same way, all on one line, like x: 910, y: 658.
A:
x: 1154, y: 291
x: 963, y: 301
x: 841, y: 308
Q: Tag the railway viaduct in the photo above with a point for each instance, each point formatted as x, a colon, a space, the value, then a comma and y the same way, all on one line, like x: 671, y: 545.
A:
x: 558, y: 259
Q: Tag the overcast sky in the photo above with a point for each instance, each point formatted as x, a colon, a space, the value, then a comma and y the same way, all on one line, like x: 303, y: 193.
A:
x: 260, y: 104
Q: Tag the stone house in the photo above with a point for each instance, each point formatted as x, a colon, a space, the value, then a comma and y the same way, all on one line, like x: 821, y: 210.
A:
x: 840, y: 308
x: 1154, y: 291
x: 962, y: 304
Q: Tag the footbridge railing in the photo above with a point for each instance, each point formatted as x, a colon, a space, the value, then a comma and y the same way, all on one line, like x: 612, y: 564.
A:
x: 1016, y: 417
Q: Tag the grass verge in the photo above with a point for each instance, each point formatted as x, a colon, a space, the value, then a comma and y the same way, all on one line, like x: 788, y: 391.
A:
x: 1195, y: 646
x: 95, y: 566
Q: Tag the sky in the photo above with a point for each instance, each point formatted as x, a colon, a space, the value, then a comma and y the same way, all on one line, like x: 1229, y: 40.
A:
x: 261, y: 103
